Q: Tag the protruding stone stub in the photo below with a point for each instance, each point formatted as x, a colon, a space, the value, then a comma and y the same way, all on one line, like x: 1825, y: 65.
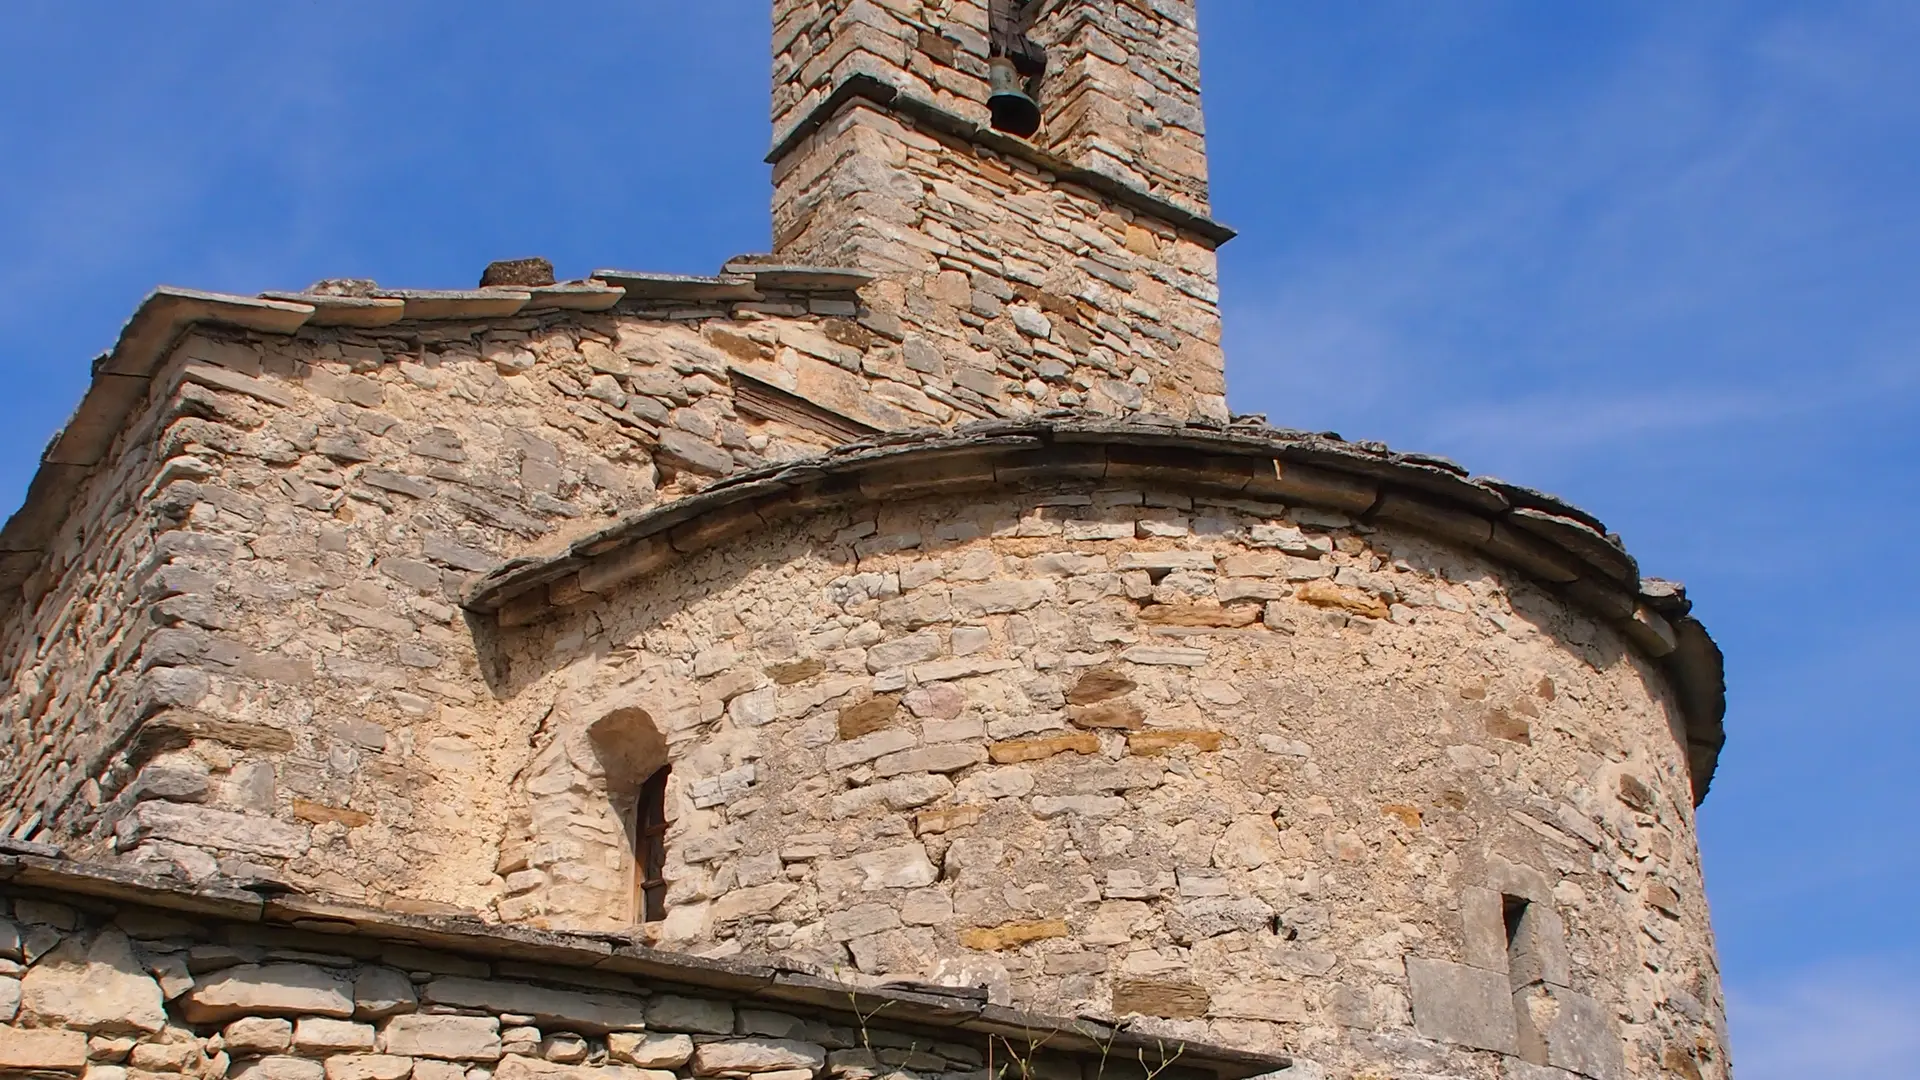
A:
x: 521, y: 272
x: 354, y: 287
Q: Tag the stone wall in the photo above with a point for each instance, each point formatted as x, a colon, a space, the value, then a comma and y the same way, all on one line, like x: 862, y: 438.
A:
x: 997, y: 272
x: 215, y: 985
x: 1122, y: 93
x: 89, y: 609
x: 249, y: 612
x: 1271, y: 777
x: 934, y: 51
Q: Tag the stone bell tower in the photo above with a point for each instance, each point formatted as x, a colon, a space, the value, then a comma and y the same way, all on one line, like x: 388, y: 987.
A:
x: 1078, y: 263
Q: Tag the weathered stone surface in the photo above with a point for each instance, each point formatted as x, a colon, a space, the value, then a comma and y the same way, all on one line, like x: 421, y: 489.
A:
x: 1252, y: 841
x: 1108, y: 715
x: 1326, y: 594
x: 735, y: 1057
x: 380, y: 992
x: 946, y: 758
x: 318, y: 1035
x: 570, y: 1010
x: 1161, y: 741
x: 1570, y: 1031
x: 270, y: 989
x: 1012, y: 935
x: 97, y: 986
x: 452, y: 1038
x: 184, y: 823
x: 1459, y: 1004
x: 1014, y: 751
x: 1205, y: 917
x: 1484, y: 925
x: 533, y: 1068
x: 42, y: 1048
x: 751, y: 901
x: 1281, y: 1004
x: 368, y: 1067
x: 1537, y: 947
x: 903, y: 867
x: 1153, y: 997
x: 650, y: 1051
x: 278, y: 1067
x: 1199, y: 615
x: 258, y: 1035
x: 1516, y: 1069
x: 1165, y: 656
x: 1099, y: 684
x: 700, y: 1016
x: 868, y: 716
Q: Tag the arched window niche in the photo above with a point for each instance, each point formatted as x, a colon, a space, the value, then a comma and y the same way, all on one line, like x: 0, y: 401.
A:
x: 587, y: 848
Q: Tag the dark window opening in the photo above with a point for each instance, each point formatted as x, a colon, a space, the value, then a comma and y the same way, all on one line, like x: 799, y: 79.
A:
x: 1514, y: 909
x: 650, y: 846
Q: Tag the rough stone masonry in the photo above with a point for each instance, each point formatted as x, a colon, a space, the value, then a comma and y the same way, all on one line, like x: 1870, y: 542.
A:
x: 900, y: 610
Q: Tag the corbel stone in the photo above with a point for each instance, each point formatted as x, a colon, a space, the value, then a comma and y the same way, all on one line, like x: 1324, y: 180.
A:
x: 1651, y: 631
x: 443, y: 304
x: 614, y: 569
x: 1296, y: 483
x: 359, y: 312
x: 1589, y: 546
x: 1444, y: 522
x: 1533, y: 557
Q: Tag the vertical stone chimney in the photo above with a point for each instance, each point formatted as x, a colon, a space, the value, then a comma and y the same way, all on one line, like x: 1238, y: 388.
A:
x: 1074, y: 268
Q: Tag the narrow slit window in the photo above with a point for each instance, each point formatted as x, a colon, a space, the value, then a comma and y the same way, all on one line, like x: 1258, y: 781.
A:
x: 650, y: 846
x: 1514, y: 909
x: 1524, y: 962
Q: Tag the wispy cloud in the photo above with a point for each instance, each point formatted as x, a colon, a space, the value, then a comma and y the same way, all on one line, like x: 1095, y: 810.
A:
x: 1845, y: 1020
x: 1669, y: 249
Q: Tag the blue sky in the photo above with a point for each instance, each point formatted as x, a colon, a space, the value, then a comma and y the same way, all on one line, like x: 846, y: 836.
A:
x: 1661, y: 258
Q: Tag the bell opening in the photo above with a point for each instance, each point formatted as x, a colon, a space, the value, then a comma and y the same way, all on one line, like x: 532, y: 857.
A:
x: 1014, y: 113
x: 1013, y: 110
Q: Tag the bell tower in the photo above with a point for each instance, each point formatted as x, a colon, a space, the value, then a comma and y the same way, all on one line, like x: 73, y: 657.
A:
x: 1028, y: 179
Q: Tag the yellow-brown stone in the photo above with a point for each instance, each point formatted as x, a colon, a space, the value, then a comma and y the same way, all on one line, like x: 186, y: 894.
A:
x: 1407, y: 815
x: 1199, y: 615
x: 1326, y: 594
x: 1014, y: 751
x: 322, y: 814
x: 1108, y: 715
x: 947, y: 818
x: 1012, y: 935
x: 1159, y: 742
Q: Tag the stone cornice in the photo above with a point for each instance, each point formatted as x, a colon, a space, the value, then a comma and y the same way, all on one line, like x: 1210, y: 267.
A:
x: 32, y: 869
x: 871, y: 88
x: 1550, y: 542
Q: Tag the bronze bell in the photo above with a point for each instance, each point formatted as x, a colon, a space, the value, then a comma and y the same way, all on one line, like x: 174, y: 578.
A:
x: 1014, y: 112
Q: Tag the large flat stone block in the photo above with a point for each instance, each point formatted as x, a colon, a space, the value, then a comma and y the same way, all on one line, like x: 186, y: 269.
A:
x: 1459, y: 1004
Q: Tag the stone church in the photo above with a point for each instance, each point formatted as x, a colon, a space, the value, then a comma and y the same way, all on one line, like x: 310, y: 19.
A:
x: 884, y: 659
